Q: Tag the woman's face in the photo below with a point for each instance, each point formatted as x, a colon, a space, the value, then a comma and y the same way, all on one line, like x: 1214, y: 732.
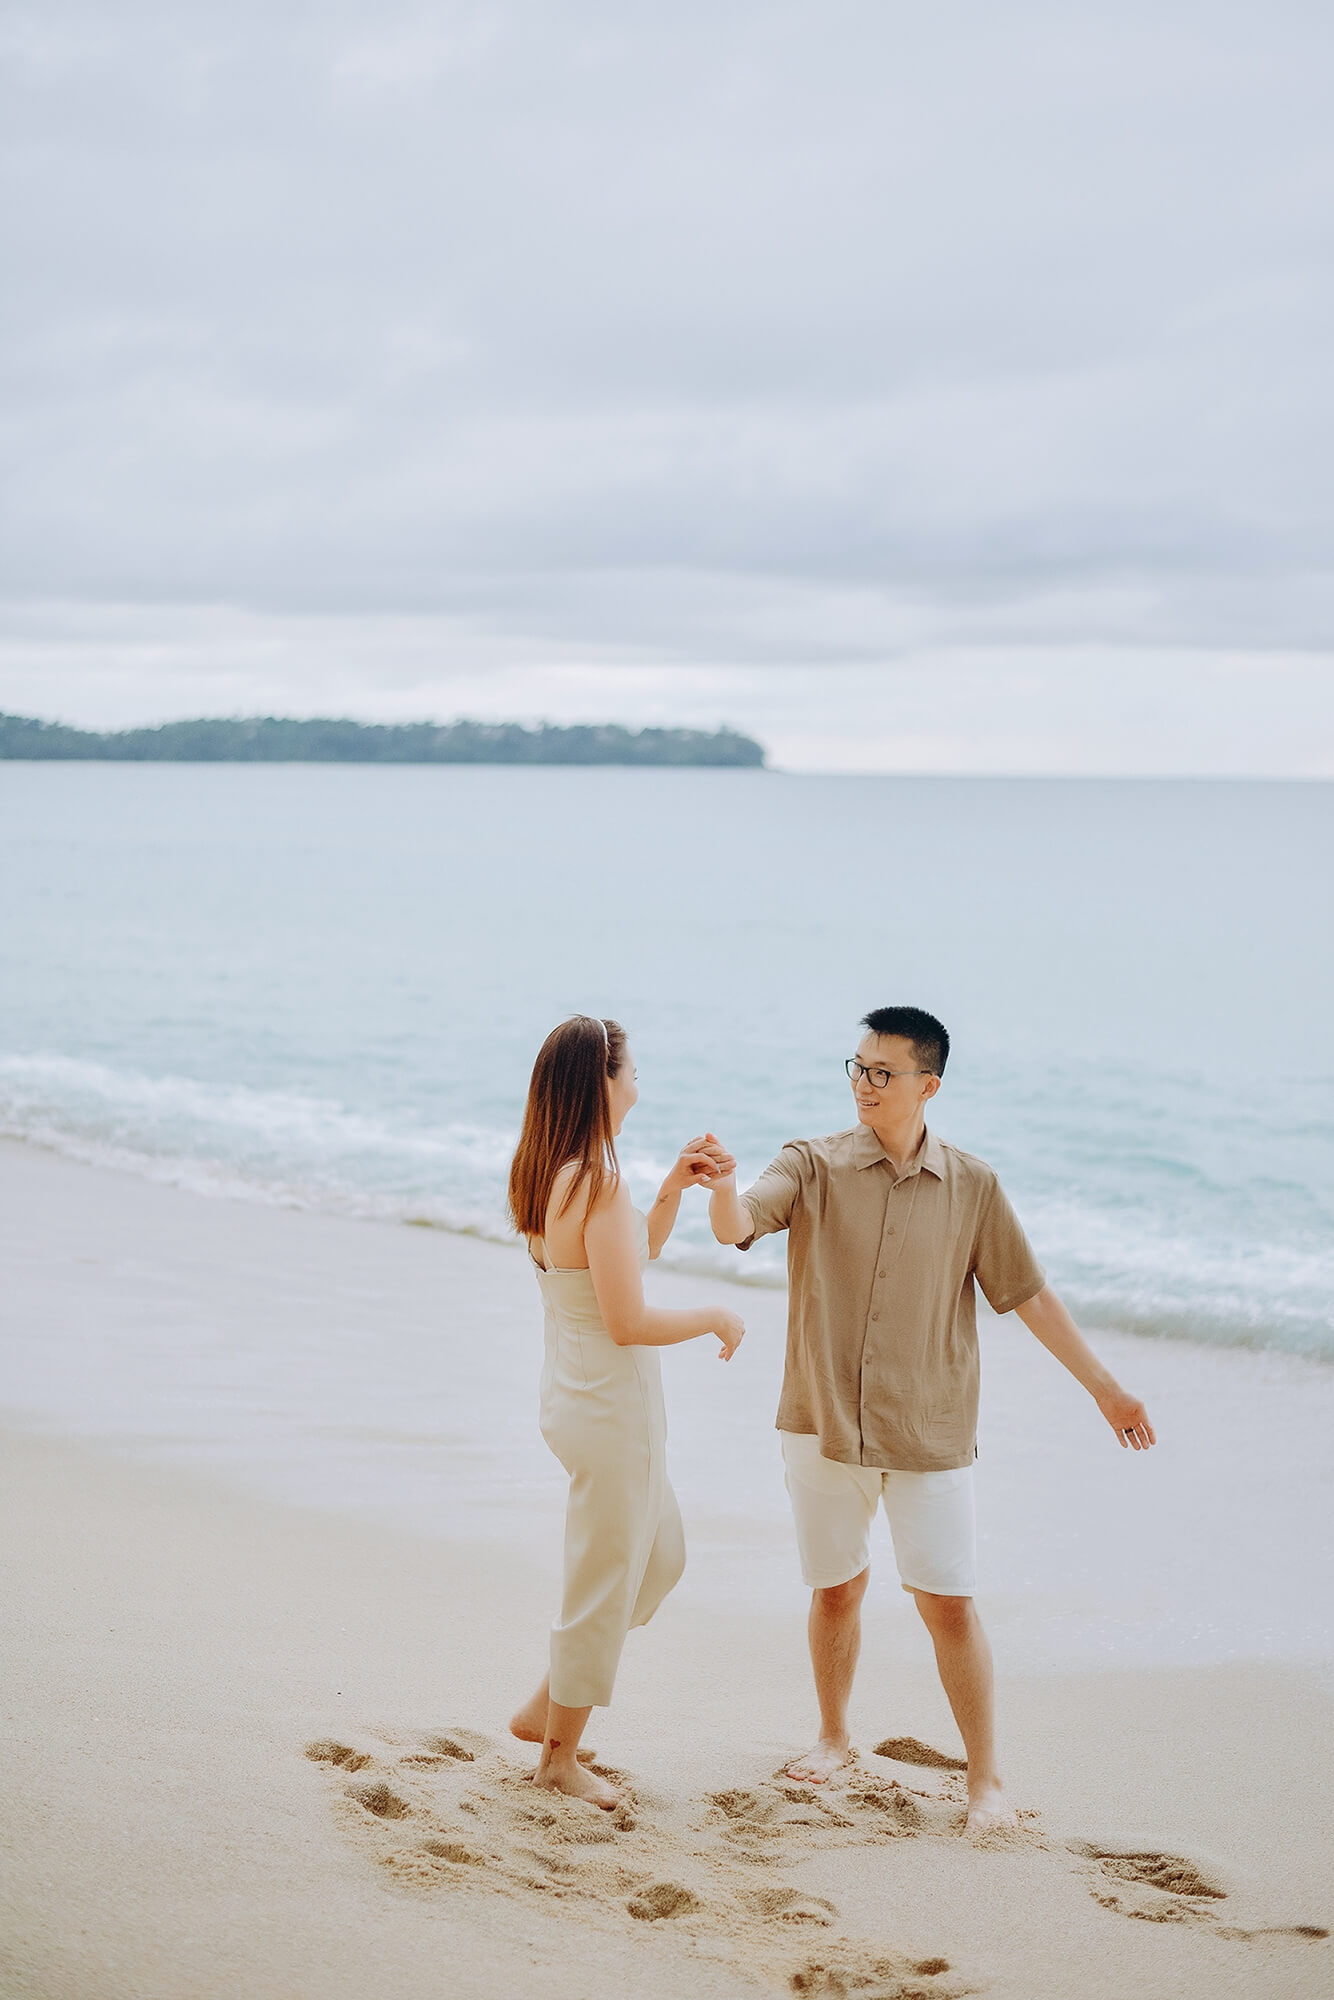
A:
x: 622, y: 1090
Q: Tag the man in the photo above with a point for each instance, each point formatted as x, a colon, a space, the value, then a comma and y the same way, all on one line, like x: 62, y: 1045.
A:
x: 888, y: 1230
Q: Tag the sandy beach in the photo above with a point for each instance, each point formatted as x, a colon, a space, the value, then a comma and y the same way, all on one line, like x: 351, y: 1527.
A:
x: 254, y: 1720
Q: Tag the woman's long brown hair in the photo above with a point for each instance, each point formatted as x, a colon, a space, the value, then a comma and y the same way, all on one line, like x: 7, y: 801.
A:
x: 567, y: 1117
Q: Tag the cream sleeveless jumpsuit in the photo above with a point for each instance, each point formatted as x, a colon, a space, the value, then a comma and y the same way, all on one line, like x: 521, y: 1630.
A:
x: 604, y: 1417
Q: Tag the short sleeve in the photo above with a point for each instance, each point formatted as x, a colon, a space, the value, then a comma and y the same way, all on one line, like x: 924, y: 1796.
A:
x: 1003, y: 1260
x: 774, y: 1196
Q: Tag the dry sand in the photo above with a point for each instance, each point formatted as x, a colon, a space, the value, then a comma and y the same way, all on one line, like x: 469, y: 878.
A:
x: 257, y: 1752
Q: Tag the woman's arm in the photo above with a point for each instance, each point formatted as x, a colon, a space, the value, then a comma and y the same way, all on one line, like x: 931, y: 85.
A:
x: 613, y: 1263
x: 699, y: 1164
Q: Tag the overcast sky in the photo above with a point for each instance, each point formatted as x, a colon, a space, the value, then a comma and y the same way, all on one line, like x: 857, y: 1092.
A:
x: 938, y: 387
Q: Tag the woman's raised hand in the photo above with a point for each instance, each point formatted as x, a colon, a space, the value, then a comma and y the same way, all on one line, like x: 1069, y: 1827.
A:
x: 730, y: 1329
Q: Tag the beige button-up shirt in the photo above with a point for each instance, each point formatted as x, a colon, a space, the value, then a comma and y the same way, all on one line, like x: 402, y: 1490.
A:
x: 882, y: 1361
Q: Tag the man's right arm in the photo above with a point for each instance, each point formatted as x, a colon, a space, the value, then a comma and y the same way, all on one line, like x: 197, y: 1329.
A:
x: 765, y: 1208
x: 730, y: 1218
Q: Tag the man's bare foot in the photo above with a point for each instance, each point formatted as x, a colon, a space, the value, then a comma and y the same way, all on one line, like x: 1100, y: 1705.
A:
x: 577, y: 1783
x: 530, y: 1727
x: 989, y: 1811
x: 817, y: 1766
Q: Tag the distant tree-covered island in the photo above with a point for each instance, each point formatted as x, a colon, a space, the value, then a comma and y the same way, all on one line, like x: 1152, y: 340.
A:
x: 269, y: 739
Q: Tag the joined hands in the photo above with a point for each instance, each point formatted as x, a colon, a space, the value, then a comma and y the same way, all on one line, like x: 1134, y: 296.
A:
x: 702, y: 1162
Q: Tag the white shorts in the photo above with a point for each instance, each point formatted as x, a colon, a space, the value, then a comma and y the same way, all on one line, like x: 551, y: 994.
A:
x: 930, y: 1515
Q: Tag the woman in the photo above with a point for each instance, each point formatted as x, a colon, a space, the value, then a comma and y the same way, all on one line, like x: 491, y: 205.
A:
x: 602, y: 1408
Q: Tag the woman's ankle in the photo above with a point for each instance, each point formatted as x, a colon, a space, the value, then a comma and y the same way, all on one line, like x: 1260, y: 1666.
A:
x: 554, y: 1761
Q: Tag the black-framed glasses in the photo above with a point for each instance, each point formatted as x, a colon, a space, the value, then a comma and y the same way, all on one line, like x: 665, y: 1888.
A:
x: 879, y: 1078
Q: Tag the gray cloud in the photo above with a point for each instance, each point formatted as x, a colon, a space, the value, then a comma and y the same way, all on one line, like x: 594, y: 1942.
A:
x: 774, y: 334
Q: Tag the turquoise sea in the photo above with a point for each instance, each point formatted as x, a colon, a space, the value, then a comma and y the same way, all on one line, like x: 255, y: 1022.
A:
x: 325, y: 985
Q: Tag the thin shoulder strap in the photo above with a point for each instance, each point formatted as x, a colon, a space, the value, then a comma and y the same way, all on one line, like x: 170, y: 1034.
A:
x: 546, y: 1265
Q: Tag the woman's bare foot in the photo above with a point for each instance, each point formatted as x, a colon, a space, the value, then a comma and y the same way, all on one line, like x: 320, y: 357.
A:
x: 577, y: 1783
x: 817, y: 1766
x: 989, y: 1811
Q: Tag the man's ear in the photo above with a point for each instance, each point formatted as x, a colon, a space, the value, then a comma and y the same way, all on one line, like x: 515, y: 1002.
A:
x: 932, y: 1084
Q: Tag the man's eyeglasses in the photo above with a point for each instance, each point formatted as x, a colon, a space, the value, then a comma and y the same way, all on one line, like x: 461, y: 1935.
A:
x: 879, y: 1079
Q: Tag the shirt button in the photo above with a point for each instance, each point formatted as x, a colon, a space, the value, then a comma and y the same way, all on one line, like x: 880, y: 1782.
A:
x: 875, y: 1315
x: 889, y: 1232
x: 880, y: 1274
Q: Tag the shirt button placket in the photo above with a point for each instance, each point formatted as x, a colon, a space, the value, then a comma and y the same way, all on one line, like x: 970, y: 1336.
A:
x: 882, y: 1271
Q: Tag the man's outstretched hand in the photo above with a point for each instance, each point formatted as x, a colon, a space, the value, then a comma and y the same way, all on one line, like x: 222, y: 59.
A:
x: 1128, y: 1418
x: 1045, y: 1316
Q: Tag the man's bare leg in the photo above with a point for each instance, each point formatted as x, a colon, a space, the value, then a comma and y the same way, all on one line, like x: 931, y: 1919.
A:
x: 529, y: 1722
x: 835, y: 1633
x: 963, y: 1658
x: 559, y: 1769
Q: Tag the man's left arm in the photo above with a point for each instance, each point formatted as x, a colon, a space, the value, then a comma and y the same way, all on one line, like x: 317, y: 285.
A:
x: 1048, y: 1320
x: 1014, y: 1281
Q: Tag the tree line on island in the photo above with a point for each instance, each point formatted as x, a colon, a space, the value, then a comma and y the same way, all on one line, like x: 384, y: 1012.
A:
x: 268, y: 739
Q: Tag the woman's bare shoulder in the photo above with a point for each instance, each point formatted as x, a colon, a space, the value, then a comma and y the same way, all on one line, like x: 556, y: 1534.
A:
x: 568, y: 1201
x: 612, y: 1197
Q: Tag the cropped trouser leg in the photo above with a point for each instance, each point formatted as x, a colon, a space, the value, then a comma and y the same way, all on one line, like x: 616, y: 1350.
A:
x: 666, y: 1560
x: 624, y: 1550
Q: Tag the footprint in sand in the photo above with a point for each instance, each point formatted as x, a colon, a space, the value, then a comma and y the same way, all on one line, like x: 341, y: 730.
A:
x: 439, y: 1750
x: 448, y: 1811
x: 341, y: 1754
x: 662, y: 1899
x: 871, y: 1977
x: 1160, y: 1888
x: 907, y: 1750
x: 790, y: 1906
x: 378, y: 1799
x: 456, y: 1851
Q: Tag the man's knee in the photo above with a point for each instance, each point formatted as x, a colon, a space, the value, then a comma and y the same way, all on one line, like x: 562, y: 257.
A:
x: 839, y: 1599
x: 945, y: 1617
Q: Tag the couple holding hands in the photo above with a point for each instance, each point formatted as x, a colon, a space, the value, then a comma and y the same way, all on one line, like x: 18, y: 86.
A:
x: 889, y: 1230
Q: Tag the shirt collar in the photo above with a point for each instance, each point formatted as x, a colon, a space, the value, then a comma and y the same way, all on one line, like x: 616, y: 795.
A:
x: 930, y: 1155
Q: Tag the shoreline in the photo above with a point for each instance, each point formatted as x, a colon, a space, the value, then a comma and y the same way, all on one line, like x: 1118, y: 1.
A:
x: 389, y: 1374
x: 208, y: 1180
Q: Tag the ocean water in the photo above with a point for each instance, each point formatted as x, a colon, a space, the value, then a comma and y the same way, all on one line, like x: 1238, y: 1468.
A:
x: 324, y: 986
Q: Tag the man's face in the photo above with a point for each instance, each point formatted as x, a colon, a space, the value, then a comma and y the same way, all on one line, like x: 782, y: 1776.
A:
x: 904, y: 1090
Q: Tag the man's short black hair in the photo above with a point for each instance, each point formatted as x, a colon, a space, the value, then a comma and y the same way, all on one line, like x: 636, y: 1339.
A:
x: 929, y: 1037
